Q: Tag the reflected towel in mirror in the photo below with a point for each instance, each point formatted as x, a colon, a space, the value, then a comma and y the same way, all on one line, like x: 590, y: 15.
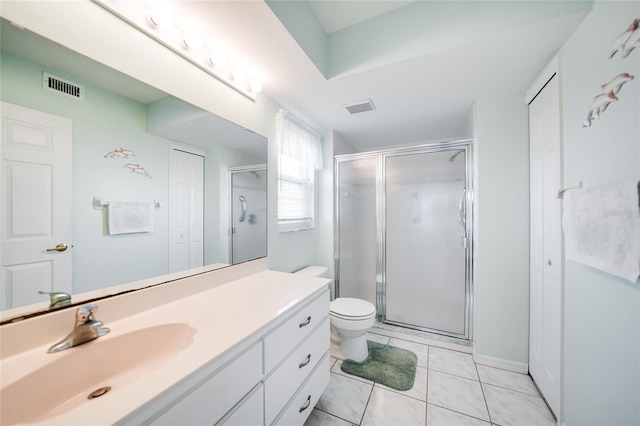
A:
x: 130, y: 217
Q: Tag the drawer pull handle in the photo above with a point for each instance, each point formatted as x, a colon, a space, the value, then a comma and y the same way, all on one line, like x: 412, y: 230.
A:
x: 306, y: 361
x: 306, y: 323
x: 306, y: 404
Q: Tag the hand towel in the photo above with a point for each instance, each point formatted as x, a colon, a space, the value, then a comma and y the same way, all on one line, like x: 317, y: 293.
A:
x: 128, y: 218
x: 602, y: 228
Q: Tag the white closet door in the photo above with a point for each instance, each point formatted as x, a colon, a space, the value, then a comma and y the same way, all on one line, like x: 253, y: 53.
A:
x: 36, y: 205
x: 186, y: 214
x: 546, y: 243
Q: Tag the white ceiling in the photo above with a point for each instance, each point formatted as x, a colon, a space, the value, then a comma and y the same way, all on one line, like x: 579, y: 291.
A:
x: 336, y: 15
x: 422, y: 63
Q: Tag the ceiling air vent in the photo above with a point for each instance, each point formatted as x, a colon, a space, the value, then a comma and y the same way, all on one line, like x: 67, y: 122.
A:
x: 62, y: 86
x: 358, y: 107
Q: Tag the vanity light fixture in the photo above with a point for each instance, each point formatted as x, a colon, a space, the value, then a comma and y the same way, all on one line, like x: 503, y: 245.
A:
x: 155, y: 19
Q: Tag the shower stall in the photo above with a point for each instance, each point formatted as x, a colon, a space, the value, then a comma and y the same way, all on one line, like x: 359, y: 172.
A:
x: 403, y: 235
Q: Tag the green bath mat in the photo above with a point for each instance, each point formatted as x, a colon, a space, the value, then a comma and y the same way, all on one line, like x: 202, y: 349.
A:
x: 387, y: 365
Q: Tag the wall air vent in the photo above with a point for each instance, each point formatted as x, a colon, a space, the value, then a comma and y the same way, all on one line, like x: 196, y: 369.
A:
x: 358, y: 107
x: 62, y: 86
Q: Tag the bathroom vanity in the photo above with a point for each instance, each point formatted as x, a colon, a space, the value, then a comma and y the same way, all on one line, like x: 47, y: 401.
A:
x: 252, y: 350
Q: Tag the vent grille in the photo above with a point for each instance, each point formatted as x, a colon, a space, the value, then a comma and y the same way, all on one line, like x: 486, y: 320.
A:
x: 358, y: 107
x: 62, y: 86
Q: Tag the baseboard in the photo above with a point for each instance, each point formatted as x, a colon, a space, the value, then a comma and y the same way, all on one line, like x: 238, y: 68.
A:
x: 505, y: 364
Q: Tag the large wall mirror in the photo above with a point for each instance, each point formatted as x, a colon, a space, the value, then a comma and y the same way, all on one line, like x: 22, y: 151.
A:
x: 150, y: 189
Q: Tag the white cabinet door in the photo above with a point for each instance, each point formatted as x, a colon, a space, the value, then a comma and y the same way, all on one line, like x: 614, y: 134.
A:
x: 546, y: 243
x: 35, y: 205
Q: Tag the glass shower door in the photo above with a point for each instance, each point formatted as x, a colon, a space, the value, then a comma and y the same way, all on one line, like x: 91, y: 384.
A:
x: 426, y: 259
x: 356, y: 228
x: 248, y: 214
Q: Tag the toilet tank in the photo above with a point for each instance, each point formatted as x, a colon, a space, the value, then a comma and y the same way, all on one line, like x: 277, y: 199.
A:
x: 314, y: 271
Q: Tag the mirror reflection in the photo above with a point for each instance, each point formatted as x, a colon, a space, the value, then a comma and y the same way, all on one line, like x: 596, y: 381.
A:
x: 107, y: 181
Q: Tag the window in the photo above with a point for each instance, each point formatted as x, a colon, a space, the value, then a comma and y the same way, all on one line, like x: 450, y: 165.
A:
x: 299, y: 156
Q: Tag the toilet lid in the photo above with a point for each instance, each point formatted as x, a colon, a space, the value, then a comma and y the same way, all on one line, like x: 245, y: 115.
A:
x: 352, y: 308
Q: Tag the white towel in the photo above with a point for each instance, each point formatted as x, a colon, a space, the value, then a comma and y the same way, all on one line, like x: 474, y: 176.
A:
x: 602, y: 228
x: 128, y: 218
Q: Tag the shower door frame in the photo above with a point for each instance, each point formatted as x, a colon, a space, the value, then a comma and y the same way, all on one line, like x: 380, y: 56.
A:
x: 380, y: 155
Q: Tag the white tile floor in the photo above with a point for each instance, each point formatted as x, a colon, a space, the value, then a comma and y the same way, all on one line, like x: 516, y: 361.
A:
x: 450, y: 389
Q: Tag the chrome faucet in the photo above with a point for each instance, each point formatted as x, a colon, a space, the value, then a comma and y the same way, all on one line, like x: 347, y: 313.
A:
x: 58, y: 299
x: 86, y: 328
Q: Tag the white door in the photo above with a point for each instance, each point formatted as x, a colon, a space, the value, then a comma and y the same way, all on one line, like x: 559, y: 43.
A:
x: 35, y: 205
x: 186, y: 214
x: 546, y: 243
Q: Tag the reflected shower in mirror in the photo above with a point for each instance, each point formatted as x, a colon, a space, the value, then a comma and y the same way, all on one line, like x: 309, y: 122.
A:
x: 140, y: 187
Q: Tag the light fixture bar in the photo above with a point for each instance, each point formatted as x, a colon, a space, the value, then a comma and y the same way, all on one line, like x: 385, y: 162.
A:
x: 139, y: 15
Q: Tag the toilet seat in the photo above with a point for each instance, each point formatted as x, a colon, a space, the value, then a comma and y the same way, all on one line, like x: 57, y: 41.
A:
x: 348, y: 308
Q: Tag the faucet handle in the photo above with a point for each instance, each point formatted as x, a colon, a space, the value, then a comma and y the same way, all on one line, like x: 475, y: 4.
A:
x: 86, y: 313
x: 58, y: 299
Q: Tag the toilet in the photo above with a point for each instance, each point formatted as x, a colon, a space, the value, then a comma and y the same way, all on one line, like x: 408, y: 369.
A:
x: 350, y: 321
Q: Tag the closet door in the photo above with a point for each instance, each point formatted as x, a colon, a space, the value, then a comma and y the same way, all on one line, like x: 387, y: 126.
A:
x: 546, y: 243
x: 186, y: 214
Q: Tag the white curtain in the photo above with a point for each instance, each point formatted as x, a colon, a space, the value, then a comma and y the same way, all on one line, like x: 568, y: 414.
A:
x: 298, y: 140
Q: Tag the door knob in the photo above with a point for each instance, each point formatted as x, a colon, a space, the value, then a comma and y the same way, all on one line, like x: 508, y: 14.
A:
x: 549, y: 262
x: 59, y: 247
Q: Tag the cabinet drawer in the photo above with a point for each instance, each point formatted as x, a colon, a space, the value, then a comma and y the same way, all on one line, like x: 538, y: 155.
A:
x: 209, y: 401
x: 303, y: 402
x: 289, y: 334
x: 248, y: 412
x: 282, y: 384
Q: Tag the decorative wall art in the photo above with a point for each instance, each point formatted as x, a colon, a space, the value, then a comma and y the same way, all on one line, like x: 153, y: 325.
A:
x: 138, y: 169
x: 608, y: 95
x: 627, y: 41
x: 121, y: 153
x: 624, y: 45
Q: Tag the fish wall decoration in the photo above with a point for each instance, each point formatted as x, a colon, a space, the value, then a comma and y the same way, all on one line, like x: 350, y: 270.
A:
x: 119, y: 153
x: 138, y: 169
x: 627, y: 41
x: 607, y: 95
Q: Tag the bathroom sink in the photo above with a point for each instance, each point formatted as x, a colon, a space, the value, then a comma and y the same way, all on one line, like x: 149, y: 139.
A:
x: 98, y: 368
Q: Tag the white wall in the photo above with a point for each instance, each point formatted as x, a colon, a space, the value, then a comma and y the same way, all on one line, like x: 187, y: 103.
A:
x: 602, y: 313
x: 92, y: 31
x: 501, y: 232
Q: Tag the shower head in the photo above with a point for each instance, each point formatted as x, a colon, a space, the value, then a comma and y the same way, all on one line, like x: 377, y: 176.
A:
x: 453, y: 157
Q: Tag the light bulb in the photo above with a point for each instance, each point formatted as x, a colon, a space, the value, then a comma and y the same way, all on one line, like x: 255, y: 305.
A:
x: 192, y: 40
x: 218, y: 57
x: 255, y: 86
x: 161, y: 15
x: 239, y: 71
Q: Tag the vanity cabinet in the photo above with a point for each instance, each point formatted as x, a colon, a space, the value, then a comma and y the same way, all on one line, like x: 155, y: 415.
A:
x: 275, y: 377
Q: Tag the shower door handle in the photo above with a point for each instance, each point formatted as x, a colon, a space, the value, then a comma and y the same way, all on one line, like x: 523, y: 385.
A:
x: 462, y: 210
x: 243, y: 205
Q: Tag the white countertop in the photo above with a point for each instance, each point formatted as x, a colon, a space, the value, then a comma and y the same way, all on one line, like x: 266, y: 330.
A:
x: 223, y: 317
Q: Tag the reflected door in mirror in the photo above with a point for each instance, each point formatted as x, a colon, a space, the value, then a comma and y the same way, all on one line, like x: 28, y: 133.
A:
x: 186, y: 214
x: 36, y: 209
